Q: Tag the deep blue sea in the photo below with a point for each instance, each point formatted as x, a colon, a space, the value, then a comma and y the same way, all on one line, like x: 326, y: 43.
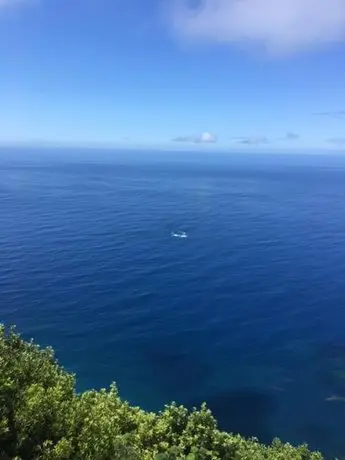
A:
x: 247, y: 313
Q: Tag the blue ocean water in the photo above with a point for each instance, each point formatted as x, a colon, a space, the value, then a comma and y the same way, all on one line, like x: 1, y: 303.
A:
x: 247, y: 313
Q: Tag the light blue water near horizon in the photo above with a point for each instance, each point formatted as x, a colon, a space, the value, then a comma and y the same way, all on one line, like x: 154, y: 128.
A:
x: 247, y: 313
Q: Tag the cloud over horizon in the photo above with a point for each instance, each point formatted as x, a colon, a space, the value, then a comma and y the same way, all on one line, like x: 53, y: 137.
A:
x: 340, y: 141
x: 203, y: 138
x: 279, y: 26
x: 290, y: 136
x: 252, y: 140
x: 332, y: 114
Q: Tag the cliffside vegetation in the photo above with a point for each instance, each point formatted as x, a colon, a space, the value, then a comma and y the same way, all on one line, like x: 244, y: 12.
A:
x: 43, y: 417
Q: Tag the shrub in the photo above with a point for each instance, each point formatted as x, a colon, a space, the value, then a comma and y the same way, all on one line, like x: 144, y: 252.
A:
x: 43, y: 417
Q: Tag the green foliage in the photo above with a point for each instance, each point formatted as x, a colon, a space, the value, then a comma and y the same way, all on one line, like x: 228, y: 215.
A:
x: 42, y: 417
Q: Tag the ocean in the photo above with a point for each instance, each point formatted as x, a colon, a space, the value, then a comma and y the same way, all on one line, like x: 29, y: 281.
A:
x: 245, y: 312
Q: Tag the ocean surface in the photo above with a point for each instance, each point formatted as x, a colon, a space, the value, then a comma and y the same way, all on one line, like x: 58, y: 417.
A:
x: 247, y: 312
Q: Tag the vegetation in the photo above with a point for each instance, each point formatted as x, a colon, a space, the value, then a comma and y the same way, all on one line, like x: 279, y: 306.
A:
x: 43, y: 417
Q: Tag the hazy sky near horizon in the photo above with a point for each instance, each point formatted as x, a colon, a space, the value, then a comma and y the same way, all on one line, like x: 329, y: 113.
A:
x: 178, y: 73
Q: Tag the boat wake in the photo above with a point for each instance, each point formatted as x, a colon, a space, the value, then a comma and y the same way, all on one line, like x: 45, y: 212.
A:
x: 179, y: 235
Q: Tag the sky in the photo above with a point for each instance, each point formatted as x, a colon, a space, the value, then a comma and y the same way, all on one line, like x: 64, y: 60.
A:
x: 184, y: 74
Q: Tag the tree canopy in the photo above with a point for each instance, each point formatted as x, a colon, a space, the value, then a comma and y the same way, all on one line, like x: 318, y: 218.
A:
x: 43, y: 417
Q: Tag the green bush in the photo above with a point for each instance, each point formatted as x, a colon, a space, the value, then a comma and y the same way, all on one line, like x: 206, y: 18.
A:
x: 43, y: 417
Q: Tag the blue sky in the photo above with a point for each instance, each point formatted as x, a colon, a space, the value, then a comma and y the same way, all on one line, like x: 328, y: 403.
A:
x: 173, y: 73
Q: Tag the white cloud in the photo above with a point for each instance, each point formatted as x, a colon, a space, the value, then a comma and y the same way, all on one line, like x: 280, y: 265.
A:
x: 203, y: 138
x: 280, y: 26
x: 206, y: 138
